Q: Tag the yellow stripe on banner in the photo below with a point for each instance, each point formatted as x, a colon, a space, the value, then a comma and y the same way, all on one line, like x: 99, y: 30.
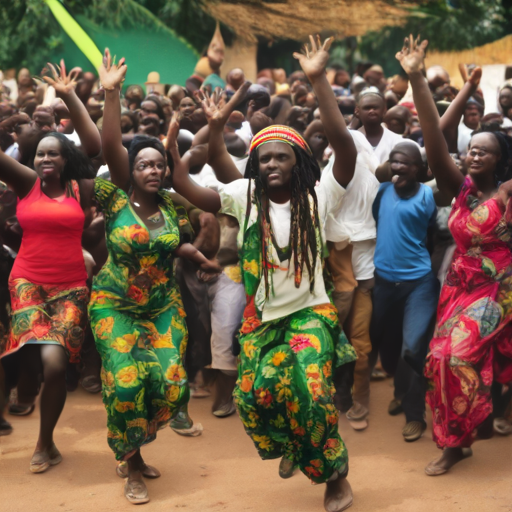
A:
x: 76, y: 32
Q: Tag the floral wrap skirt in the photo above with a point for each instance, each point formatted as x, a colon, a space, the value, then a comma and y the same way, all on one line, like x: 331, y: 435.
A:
x: 284, y: 392
x: 47, y: 314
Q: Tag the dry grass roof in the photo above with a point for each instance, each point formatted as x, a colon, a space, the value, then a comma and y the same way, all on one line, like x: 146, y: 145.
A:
x: 296, y: 19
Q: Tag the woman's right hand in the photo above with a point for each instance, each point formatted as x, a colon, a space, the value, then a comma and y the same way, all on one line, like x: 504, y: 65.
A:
x: 412, y: 55
x: 112, y: 75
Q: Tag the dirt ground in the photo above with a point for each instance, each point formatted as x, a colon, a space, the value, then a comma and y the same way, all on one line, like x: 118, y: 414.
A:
x: 220, y: 471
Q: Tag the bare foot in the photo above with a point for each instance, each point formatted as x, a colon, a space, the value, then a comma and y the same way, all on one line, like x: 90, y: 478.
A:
x: 338, y: 495
x: 449, y: 458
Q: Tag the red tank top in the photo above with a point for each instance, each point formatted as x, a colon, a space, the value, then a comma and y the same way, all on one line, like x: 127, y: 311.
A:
x: 51, y: 246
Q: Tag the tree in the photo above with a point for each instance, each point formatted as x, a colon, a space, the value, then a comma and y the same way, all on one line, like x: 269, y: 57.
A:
x: 448, y: 26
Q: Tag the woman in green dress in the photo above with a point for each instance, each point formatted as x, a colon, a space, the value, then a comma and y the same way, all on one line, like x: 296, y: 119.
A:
x: 136, y: 311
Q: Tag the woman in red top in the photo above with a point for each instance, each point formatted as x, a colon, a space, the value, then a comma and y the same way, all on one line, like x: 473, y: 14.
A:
x: 48, y: 281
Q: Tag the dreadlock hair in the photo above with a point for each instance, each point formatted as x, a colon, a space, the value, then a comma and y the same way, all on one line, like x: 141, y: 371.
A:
x: 503, y: 171
x: 78, y: 166
x: 304, y: 222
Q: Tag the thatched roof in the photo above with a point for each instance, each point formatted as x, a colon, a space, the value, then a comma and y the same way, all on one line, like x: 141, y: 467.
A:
x: 296, y: 19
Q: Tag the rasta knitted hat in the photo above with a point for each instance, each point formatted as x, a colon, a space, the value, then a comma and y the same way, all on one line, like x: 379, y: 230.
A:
x: 279, y: 133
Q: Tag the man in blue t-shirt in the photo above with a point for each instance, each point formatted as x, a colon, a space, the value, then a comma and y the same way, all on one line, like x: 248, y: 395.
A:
x: 406, y: 291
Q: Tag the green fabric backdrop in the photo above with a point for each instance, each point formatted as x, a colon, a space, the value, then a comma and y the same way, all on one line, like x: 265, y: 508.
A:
x: 146, y: 49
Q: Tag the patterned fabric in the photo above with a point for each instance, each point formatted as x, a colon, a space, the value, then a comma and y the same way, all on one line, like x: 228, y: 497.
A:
x: 284, y: 391
x: 138, y: 321
x: 472, y: 344
x: 279, y: 133
x: 47, y: 314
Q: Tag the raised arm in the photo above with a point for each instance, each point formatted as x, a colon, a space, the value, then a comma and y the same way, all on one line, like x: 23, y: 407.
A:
x: 17, y: 176
x: 313, y: 64
x: 64, y: 85
x: 112, y: 76
x: 203, y: 198
x: 218, y: 156
x: 449, y: 178
x: 451, y: 118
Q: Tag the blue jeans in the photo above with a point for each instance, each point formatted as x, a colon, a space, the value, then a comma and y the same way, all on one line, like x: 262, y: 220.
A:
x: 402, y: 324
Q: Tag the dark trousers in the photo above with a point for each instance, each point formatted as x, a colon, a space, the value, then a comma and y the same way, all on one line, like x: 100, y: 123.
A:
x: 402, y: 325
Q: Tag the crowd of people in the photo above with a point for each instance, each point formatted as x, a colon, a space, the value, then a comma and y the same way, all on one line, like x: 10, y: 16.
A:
x: 277, y: 245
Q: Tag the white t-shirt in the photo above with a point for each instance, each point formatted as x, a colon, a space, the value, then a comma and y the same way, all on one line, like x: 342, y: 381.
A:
x: 388, y: 141
x: 353, y: 221
x: 284, y: 298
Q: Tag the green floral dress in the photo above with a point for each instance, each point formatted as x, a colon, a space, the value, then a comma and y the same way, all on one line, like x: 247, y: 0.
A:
x: 284, y: 392
x: 138, y: 321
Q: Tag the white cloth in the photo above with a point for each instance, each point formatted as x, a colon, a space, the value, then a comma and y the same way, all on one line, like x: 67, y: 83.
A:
x: 284, y: 297
x: 227, y: 302
x: 73, y: 137
x: 353, y: 221
x: 388, y: 141
x: 463, y: 137
x: 245, y: 133
x: 13, y: 151
x: 362, y: 259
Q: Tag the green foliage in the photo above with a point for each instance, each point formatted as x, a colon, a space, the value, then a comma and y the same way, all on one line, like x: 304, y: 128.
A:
x: 28, y: 32
x: 448, y: 26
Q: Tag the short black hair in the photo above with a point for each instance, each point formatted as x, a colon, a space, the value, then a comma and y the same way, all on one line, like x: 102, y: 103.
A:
x: 140, y: 142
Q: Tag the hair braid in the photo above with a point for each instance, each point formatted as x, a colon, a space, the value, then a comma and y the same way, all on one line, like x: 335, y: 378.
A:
x: 304, y: 220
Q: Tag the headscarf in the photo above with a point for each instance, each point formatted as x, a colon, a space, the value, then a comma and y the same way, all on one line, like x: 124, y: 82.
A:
x: 279, y: 133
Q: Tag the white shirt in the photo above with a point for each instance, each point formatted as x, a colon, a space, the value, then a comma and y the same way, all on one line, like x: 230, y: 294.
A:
x: 285, y: 298
x: 388, y: 141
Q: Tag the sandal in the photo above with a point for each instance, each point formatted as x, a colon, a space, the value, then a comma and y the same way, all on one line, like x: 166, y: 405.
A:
x: 147, y: 471
x: 136, y: 492
x: 286, y: 467
x: 433, y: 470
x: 41, y: 461
x: 21, y: 409
x: 92, y: 383
x: 5, y: 427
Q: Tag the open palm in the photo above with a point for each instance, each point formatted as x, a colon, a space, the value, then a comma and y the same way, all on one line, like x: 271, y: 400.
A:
x: 62, y: 82
x: 216, y: 115
x: 412, y: 55
x: 313, y: 61
x: 111, y: 74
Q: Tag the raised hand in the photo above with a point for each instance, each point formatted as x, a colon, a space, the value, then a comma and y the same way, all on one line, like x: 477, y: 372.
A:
x: 172, y: 133
x: 412, y: 55
x: 216, y: 115
x: 112, y: 74
x: 313, y: 61
x: 61, y: 81
x: 473, y: 77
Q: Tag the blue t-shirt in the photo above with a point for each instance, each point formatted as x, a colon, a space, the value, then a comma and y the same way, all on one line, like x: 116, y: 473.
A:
x: 401, y: 253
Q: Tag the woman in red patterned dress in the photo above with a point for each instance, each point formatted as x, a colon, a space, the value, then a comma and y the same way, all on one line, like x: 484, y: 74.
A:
x: 472, y: 344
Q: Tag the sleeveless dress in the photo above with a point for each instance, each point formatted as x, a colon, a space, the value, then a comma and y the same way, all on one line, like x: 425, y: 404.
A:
x: 48, y: 280
x: 138, y: 321
x: 472, y: 344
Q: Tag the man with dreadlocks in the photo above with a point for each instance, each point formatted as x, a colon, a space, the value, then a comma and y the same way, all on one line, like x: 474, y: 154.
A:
x: 290, y: 335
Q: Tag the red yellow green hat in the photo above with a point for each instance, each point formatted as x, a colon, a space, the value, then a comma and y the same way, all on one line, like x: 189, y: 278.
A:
x: 279, y: 133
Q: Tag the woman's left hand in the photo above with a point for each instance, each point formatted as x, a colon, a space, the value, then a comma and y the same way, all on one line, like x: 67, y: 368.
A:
x: 62, y: 82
